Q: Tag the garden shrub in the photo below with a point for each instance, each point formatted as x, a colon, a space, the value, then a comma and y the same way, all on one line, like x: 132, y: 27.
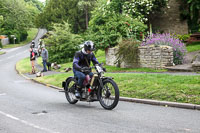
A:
x: 128, y: 51
x: 62, y: 44
x: 179, y: 49
x: 1, y: 46
x: 184, y: 37
x: 17, y: 36
x: 108, y: 26
x: 107, y: 31
x: 23, y: 35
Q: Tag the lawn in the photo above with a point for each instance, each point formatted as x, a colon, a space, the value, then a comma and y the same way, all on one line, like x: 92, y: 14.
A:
x: 31, y: 35
x: 24, y: 66
x: 2, y: 52
x: 193, y: 47
x: 164, y: 87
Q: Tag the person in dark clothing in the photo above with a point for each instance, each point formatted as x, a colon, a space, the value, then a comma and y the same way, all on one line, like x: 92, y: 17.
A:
x: 32, y: 59
x: 81, y: 64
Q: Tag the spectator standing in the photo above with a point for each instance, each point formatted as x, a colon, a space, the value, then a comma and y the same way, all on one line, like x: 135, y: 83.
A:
x: 44, y: 55
x: 32, y: 59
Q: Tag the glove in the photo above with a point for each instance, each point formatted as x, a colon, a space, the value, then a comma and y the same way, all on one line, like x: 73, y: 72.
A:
x: 104, y: 69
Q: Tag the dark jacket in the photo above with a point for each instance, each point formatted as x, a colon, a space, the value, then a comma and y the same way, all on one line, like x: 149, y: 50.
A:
x: 32, y: 56
x: 80, y: 61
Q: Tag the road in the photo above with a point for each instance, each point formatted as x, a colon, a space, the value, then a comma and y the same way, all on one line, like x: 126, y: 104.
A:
x: 28, y: 107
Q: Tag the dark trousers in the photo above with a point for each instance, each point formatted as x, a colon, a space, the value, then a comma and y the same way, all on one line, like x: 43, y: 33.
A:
x: 44, y: 62
x: 81, y: 76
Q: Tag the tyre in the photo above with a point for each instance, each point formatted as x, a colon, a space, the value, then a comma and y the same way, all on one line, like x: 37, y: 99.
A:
x: 70, y: 91
x: 108, y: 95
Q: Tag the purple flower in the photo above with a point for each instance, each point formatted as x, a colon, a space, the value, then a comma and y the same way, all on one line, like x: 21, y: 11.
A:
x: 179, y: 48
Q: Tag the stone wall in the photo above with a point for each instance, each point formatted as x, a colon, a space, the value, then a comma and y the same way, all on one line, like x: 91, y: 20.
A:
x: 156, y: 57
x: 149, y: 57
x: 170, y: 21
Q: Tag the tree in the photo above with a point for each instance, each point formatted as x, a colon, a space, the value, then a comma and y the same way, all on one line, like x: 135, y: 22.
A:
x: 86, y: 5
x: 57, y: 11
x: 36, y: 4
x: 109, y: 25
x: 190, y: 11
x: 17, y: 17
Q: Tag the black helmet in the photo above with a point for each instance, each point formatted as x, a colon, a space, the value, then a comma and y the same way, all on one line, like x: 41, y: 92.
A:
x: 89, y: 45
x: 33, y: 42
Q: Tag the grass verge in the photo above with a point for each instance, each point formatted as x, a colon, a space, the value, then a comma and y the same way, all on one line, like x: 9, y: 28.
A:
x: 164, y: 87
x: 2, y: 52
x: 193, y: 47
x: 24, y: 66
x: 31, y: 34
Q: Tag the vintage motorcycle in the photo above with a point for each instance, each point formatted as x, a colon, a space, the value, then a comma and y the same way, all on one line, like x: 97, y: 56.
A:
x: 98, y: 88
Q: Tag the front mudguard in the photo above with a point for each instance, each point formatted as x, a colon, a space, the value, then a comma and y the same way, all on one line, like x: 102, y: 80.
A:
x: 107, y: 78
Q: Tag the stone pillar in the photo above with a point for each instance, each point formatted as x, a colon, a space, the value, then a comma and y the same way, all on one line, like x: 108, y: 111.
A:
x: 110, y: 56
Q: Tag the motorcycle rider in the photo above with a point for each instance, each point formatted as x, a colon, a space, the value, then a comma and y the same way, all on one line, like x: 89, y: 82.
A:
x: 81, y: 64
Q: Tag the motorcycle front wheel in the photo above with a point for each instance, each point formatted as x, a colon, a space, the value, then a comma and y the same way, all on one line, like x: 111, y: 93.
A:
x: 70, y: 91
x: 108, y: 95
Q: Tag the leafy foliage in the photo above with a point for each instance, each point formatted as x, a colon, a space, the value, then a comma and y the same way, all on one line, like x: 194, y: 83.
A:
x: 190, y: 12
x: 184, y: 37
x: 179, y: 49
x: 16, y: 17
x: 57, y: 11
x: 107, y: 27
x: 128, y: 51
x: 1, y: 44
x: 62, y: 44
x: 143, y: 9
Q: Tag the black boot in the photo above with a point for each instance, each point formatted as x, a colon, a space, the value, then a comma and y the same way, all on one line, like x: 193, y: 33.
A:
x: 77, y: 92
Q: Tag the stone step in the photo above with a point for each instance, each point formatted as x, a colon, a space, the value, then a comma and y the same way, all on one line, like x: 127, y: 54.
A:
x: 181, y: 68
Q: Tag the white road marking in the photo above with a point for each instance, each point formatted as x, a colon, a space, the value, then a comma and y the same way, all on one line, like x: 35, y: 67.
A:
x: 27, y: 123
x: 2, y: 94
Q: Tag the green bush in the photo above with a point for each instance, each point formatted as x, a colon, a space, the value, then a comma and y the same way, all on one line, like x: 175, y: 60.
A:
x: 62, y: 44
x: 1, y: 46
x: 184, y: 37
x: 107, y: 30
x: 128, y: 51
x: 23, y: 35
x: 20, y: 35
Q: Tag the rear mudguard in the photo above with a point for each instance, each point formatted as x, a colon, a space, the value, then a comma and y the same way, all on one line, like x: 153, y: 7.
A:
x: 64, y: 82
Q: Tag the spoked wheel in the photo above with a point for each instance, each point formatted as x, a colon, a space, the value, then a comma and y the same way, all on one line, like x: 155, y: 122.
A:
x: 108, y: 95
x: 70, y: 91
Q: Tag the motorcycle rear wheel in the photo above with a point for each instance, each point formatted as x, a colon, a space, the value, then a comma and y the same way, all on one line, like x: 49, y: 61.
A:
x: 108, y: 95
x: 70, y: 91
